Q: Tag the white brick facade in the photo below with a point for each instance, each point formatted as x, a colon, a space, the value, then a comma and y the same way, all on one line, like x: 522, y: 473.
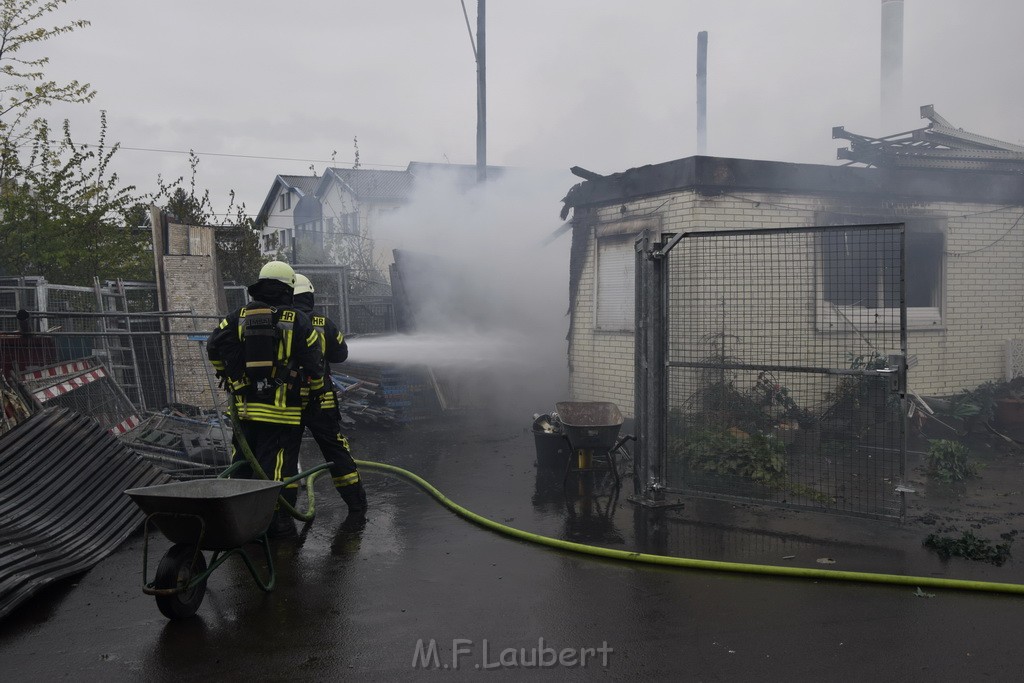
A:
x: 982, y: 297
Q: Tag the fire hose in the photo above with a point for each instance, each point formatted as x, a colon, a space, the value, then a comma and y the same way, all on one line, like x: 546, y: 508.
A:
x: 310, y: 512
x: 691, y: 563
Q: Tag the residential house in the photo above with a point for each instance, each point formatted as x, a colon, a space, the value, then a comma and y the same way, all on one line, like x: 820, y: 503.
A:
x: 277, y: 215
x: 312, y: 213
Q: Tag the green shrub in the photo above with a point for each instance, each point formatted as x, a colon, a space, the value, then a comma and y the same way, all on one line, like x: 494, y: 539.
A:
x: 949, y: 461
x: 756, y: 457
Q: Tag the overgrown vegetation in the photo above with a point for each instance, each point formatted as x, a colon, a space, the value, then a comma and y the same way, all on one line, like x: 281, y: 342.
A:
x: 949, y: 461
x: 971, y: 547
x: 756, y: 457
x: 64, y: 214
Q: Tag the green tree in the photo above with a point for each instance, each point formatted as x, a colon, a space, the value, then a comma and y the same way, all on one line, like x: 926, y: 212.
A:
x: 24, y: 86
x: 238, y: 249
x: 63, y: 214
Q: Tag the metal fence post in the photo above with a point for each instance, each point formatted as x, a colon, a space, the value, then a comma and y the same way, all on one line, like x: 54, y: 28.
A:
x: 648, y: 475
x: 343, y: 299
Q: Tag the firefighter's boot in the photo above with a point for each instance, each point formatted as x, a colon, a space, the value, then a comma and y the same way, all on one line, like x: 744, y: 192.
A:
x: 283, y: 524
x: 354, y: 496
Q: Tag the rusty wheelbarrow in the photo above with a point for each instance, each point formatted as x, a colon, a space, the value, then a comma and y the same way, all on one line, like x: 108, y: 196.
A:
x: 592, y: 430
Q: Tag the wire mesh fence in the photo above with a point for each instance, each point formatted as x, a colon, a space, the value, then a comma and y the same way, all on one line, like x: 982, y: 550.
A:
x: 142, y: 376
x: 784, y: 353
x: 358, y: 302
x: 106, y: 351
x: 155, y: 359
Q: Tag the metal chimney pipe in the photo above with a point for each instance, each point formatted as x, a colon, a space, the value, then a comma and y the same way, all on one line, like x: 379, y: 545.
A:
x: 892, y: 63
x: 702, y: 92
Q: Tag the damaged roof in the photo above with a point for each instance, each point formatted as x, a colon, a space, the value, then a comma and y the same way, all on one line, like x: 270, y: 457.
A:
x: 938, y: 145
x: 720, y: 175
x: 936, y: 163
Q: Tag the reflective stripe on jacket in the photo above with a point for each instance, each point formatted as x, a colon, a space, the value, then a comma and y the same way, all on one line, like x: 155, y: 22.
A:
x: 298, y: 356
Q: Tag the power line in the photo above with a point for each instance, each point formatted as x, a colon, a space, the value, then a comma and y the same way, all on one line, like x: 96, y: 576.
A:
x: 332, y: 162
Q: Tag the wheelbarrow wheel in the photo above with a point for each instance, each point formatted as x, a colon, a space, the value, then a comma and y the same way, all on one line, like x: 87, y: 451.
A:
x: 176, y: 570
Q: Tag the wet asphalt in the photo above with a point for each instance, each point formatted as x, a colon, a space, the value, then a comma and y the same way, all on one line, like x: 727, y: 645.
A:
x: 419, y: 593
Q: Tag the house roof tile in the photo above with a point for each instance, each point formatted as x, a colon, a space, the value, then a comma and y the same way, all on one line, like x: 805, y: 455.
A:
x: 375, y: 184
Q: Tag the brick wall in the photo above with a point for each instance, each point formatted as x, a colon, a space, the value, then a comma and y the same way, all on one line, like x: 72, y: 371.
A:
x: 190, y: 283
x: 983, y: 285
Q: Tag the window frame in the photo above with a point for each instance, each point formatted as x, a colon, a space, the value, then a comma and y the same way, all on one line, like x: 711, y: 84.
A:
x: 831, y: 316
x: 628, y: 284
x: 627, y: 230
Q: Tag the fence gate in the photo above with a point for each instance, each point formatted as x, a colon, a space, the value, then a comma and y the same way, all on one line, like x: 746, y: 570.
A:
x: 771, y: 367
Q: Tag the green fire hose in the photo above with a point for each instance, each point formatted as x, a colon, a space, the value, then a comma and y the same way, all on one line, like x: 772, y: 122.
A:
x: 309, y: 476
x: 689, y: 563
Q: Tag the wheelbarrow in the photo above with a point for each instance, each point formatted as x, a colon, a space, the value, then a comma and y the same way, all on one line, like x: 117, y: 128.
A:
x: 592, y: 430
x: 219, y: 515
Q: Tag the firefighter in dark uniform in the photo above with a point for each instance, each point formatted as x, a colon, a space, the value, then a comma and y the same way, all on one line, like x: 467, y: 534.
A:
x: 265, y: 353
x: 322, y: 416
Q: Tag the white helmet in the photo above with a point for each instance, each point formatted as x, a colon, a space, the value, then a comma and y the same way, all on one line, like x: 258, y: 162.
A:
x: 280, y: 271
x: 302, y: 284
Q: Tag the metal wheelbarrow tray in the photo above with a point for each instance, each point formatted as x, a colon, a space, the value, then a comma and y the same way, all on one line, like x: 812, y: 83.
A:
x: 590, y: 424
x: 231, y: 512
x: 591, y: 428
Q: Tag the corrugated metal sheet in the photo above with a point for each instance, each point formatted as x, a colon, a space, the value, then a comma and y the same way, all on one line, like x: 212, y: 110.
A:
x: 62, y: 502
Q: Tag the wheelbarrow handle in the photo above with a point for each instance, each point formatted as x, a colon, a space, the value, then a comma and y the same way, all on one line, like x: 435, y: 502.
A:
x: 623, y: 440
x: 230, y: 469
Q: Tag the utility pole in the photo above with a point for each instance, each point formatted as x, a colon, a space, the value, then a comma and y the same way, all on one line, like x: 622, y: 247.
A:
x: 481, y: 92
x: 480, y: 55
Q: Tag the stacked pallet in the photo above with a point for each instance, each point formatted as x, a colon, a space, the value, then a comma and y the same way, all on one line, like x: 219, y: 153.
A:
x: 386, y: 393
x: 361, y: 400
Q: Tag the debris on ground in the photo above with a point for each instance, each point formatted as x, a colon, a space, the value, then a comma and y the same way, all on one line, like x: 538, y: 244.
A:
x: 16, y: 404
x: 86, y: 386
x: 376, y: 395
x: 971, y: 547
x: 184, y: 441
x: 57, y: 526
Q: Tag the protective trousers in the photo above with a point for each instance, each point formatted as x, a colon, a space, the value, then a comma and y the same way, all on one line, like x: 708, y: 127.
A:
x: 325, y: 426
x: 276, y: 447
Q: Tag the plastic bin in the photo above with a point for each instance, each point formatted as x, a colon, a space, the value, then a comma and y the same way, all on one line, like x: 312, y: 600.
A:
x: 552, y: 447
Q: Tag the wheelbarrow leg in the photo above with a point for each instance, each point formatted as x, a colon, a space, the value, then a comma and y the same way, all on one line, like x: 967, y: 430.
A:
x: 615, y: 466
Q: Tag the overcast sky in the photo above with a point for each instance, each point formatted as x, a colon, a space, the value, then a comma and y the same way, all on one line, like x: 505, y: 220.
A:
x: 600, y: 84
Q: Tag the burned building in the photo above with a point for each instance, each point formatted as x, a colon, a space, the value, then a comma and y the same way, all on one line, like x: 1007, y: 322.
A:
x: 958, y: 196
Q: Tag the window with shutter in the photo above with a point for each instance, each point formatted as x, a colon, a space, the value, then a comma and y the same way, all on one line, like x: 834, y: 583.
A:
x: 615, y: 283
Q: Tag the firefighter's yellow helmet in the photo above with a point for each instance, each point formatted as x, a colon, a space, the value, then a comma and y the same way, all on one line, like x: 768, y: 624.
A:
x: 302, y: 284
x: 280, y: 271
